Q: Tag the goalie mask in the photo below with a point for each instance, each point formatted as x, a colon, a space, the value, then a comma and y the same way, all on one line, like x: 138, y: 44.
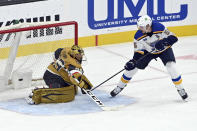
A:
x: 77, y: 53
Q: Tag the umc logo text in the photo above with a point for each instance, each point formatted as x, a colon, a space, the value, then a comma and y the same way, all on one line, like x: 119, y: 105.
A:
x: 134, y: 10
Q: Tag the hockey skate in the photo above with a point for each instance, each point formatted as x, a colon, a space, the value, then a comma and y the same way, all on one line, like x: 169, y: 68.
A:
x: 116, y: 91
x: 29, y: 99
x: 182, y: 93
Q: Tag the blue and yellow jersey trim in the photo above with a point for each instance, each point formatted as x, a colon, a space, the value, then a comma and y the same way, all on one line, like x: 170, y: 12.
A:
x: 157, y: 32
x: 158, y: 52
x: 139, y: 35
x: 140, y: 52
x: 156, y: 28
x: 177, y: 81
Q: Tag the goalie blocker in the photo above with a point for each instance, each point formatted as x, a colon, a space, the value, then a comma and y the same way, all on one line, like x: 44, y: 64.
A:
x: 62, y: 76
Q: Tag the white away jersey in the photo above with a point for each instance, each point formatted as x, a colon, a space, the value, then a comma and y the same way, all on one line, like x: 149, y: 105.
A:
x: 147, y: 41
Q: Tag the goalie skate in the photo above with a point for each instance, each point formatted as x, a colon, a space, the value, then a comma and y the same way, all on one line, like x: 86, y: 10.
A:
x: 182, y: 93
x: 116, y: 91
x: 29, y: 99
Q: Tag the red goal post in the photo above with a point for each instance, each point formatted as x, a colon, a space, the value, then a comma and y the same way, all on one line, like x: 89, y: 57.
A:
x: 34, y: 27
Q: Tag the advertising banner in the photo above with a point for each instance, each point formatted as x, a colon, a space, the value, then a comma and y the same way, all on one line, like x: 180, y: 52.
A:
x: 128, y: 11
x: 99, y: 17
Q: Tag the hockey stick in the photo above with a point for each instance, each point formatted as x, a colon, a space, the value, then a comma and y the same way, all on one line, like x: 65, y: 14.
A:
x: 99, y: 102
x: 121, y: 71
x: 107, y: 79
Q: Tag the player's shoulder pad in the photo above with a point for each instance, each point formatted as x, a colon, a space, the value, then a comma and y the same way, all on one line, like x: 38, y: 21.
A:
x: 139, y: 35
x: 57, y: 53
x: 157, y: 27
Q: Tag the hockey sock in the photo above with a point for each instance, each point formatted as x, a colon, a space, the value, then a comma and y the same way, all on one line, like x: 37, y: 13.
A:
x: 176, y: 77
x: 126, y: 77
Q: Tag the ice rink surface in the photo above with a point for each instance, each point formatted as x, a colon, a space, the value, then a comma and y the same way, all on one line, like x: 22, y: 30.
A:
x: 156, y: 107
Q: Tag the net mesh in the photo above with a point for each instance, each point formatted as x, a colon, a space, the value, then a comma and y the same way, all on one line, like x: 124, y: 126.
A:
x: 36, y: 45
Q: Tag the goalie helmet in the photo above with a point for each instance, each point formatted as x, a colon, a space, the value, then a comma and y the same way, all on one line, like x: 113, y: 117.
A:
x: 77, y: 53
x: 144, y: 22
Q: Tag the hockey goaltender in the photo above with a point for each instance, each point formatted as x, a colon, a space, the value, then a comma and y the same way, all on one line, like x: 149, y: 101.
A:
x: 62, y: 77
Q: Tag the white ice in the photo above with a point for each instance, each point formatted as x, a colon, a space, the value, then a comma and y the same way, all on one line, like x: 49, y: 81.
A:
x: 156, y: 107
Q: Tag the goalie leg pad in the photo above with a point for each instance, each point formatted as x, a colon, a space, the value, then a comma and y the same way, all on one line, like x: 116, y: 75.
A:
x: 54, y: 95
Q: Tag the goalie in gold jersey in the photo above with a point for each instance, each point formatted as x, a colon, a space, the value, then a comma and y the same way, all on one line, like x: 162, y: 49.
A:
x: 63, y: 77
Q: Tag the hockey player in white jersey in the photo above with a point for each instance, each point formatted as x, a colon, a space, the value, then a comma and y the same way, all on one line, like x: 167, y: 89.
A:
x: 151, y: 41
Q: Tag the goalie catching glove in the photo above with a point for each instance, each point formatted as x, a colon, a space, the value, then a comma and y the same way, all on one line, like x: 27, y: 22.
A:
x: 80, y: 80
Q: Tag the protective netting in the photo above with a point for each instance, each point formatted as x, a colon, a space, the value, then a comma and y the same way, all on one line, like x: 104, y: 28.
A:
x: 30, y: 47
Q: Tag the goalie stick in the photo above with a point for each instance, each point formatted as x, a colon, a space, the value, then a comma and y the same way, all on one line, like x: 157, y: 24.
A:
x: 99, y: 102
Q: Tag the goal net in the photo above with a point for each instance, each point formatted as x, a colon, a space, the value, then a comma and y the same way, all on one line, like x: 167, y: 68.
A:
x: 29, y: 47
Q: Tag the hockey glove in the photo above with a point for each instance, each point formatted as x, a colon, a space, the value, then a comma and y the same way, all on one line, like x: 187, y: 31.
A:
x: 81, y: 81
x: 160, y: 45
x: 85, y: 83
x: 170, y: 40
x: 130, y: 65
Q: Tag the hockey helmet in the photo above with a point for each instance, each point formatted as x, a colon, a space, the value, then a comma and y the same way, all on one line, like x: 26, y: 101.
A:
x: 77, y: 52
x: 144, y: 22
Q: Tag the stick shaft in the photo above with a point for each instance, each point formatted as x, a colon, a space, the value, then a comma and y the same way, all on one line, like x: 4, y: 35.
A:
x: 120, y: 71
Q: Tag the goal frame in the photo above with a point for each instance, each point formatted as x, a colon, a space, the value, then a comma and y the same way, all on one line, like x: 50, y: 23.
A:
x: 32, y: 26
x: 45, y: 25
